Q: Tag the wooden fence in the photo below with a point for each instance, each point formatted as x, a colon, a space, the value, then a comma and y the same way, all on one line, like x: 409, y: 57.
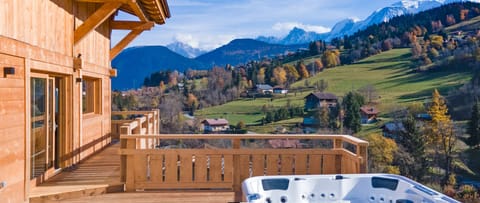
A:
x: 147, y: 165
x: 138, y: 122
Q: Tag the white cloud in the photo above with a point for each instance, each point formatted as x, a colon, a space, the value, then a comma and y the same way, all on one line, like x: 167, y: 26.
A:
x: 206, y: 42
x: 287, y: 26
x: 187, y: 39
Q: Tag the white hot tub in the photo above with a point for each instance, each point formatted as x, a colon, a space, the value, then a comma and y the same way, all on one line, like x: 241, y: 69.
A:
x: 382, y: 188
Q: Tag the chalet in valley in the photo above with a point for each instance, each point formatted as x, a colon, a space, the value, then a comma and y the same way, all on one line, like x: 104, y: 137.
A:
x: 264, y: 89
x: 368, y: 114
x: 280, y: 90
x: 318, y: 99
x: 215, y: 125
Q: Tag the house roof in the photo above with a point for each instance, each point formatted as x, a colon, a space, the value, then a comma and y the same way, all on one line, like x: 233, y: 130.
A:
x: 155, y: 10
x: 323, y: 96
x: 394, y: 127
x: 369, y: 110
x: 264, y: 87
x: 216, y: 121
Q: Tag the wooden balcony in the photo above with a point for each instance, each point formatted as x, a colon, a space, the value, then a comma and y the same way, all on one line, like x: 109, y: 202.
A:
x: 192, y: 168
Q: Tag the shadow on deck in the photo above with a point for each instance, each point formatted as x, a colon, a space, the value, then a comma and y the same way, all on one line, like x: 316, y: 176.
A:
x: 99, y: 174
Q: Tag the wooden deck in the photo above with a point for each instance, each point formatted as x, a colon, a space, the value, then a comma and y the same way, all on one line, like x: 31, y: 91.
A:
x: 98, y: 174
x: 97, y: 179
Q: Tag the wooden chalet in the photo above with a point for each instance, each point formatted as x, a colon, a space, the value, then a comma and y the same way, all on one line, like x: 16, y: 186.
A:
x: 368, y: 114
x: 316, y: 100
x: 55, y: 93
x: 263, y: 89
x: 215, y: 125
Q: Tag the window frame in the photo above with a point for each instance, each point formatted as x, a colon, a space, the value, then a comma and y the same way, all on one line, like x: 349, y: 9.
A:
x: 91, y: 96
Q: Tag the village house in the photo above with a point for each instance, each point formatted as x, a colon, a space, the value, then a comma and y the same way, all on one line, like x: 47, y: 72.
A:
x: 280, y: 90
x: 316, y: 100
x: 368, y: 114
x: 392, y: 129
x: 55, y: 83
x: 215, y: 125
x: 264, y: 89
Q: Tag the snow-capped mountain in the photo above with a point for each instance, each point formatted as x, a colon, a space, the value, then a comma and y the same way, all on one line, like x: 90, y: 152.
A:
x: 185, y: 49
x: 350, y: 26
x: 295, y: 36
x: 387, y: 13
x: 343, y: 27
x: 300, y: 36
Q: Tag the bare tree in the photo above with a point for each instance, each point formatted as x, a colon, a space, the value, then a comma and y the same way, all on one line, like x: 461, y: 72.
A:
x: 170, y: 112
x: 369, y: 92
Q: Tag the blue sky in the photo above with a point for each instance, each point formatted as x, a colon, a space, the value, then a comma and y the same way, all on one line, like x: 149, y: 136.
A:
x: 208, y: 24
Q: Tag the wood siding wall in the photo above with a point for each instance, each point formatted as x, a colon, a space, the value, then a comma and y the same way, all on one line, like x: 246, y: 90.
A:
x: 12, y: 129
x: 37, y: 36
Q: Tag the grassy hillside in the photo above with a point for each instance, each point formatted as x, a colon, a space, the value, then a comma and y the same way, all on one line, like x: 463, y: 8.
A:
x: 388, y: 72
x: 469, y: 25
x: 249, y: 110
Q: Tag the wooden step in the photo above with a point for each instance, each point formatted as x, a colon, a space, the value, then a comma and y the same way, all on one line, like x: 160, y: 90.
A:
x: 64, y: 192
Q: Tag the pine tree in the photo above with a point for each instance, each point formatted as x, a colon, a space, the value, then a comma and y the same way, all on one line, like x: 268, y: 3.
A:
x: 269, y: 117
x: 351, y: 104
x: 414, y: 144
x: 474, y: 126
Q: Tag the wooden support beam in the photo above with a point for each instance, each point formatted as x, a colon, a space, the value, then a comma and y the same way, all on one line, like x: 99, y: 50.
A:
x: 131, y: 25
x: 137, y: 10
x: 95, y: 20
x: 124, y: 42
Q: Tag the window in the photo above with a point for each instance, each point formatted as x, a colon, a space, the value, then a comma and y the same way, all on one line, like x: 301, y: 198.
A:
x: 91, y: 95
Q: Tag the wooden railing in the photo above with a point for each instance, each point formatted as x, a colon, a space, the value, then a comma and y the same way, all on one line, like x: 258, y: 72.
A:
x: 160, y: 166
x: 138, y: 122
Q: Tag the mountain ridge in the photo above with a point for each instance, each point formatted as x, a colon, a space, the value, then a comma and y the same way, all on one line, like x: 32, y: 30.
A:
x: 148, y: 59
x: 151, y: 59
x: 185, y: 49
x: 349, y: 26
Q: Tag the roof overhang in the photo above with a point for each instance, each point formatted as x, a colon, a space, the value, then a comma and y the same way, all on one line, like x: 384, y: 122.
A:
x: 151, y: 10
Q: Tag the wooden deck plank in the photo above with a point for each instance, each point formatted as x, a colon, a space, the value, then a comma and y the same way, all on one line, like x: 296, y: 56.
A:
x: 151, y: 197
x: 101, y: 170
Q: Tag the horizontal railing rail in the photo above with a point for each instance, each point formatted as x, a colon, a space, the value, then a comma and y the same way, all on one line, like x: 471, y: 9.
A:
x: 138, y: 122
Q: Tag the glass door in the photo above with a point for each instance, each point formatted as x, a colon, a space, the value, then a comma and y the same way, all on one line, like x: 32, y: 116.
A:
x: 45, y: 105
x: 39, y: 129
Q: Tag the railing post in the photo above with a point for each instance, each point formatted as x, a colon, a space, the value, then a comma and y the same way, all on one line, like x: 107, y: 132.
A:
x: 338, y: 145
x: 362, y: 152
x: 237, y: 181
x: 156, y: 123
x: 130, y: 168
x: 124, y: 130
x: 138, y: 131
